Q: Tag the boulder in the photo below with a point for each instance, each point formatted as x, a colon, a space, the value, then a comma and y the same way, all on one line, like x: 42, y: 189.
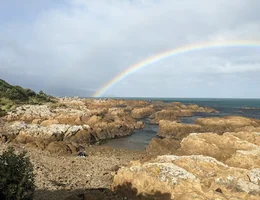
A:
x: 30, y: 112
x: 140, y: 125
x: 82, y: 137
x: 185, y: 177
x: 247, y: 159
x: 158, y: 146
x: 59, y: 148
x: 227, y: 148
x: 224, y: 124
x: 164, y: 115
x: 218, y: 125
x: 172, y: 129
x: 37, y: 144
x: 139, y: 113
x: 49, y: 122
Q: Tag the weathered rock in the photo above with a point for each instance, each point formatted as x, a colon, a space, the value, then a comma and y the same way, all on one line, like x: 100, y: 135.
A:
x: 214, y: 124
x: 111, y: 125
x: 248, y: 187
x: 196, y: 108
x: 254, y: 176
x: 249, y: 136
x: 30, y: 112
x: 105, y: 130
x: 37, y: 121
x: 247, y: 159
x: 82, y: 137
x: 164, y: 146
x: 227, y: 148
x: 224, y: 124
x: 37, y: 144
x: 71, y: 101
x: 49, y: 122
x: 59, y: 148
x: 139, y: 125
x: 153, y: 179
x: 139, y: 113
x: 30, y: 133
x: 185, y: 177
x: 165, y: 115
x: 176, y: 130
x: 71, y: 117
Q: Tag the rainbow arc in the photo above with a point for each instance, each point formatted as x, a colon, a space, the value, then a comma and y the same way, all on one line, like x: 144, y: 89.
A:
x: 169, y: 53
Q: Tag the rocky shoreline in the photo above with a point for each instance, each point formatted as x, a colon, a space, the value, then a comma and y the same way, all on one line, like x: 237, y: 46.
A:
x: 215, y: 158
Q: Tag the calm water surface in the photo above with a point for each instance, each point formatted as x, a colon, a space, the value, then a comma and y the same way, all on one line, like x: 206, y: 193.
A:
x: 140, y: 139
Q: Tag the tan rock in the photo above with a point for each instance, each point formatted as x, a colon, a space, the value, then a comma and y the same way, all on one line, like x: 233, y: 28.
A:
x: 49, y: 122
x: 154, y: 179
x: 254, y: 176
x: 37, y: 144
x: 59, y: 148
x: 37, y: 121
x: 245, y: 159
x: 165, y: 115
x: 164, y: 146
x: 249, y: 136
x: 176, y: 130
x: 139, y: 113
x: 224, y: 124
x: 140, y: 125
x: 82, y: 137
x: 221, y: 147
x: 30, y: 112
x: 185, y: 177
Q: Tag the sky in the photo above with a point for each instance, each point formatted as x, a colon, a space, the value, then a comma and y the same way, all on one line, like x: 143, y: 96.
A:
x: 74, y: 47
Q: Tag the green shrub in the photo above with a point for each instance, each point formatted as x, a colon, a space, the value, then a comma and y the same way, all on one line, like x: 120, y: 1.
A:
x: 29, y: 93
x: 2, y: 113
x: 15, y: 93
x: 16, y: 176
x: 11, y: 96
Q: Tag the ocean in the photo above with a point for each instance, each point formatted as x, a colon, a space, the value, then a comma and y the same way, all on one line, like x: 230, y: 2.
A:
x: 140, y: 139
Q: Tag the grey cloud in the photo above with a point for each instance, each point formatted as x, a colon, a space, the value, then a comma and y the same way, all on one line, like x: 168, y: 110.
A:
x: 79, y: 45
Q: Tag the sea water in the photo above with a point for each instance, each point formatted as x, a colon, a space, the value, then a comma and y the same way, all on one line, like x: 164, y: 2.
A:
x: 140, y: 139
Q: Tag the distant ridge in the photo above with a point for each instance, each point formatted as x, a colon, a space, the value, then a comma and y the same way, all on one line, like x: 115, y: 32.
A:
x: 11, y: 96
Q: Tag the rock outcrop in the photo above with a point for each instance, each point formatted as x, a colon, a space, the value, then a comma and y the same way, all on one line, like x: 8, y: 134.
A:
x: 213, y: 124
x: 158, y: 146
x: 86, y: 121
x: 235, y: 149
x: 140, y: 113
x: 172, y: 129
x: 30, y: 112
x: 173, y: 111
x: 186, y: 177
x: 68, y: 121
x: 224, y: 124
x: 171, y: 115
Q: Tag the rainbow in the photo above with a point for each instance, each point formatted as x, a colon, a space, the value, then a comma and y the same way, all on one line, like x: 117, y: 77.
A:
x: 173, y: 52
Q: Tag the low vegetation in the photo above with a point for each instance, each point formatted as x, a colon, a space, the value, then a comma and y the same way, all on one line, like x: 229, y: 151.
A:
x: 11, y: 96
x: 16, y: 176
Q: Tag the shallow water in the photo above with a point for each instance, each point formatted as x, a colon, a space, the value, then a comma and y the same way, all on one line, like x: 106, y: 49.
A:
x: 140, y: 139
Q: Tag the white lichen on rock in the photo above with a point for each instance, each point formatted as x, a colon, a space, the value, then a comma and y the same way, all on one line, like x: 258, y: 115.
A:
x: 170, y: 158
x: 171, y: 173
x: 254, y: 176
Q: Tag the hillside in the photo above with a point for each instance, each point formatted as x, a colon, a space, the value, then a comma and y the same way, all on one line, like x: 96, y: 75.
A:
x: 10, y: 96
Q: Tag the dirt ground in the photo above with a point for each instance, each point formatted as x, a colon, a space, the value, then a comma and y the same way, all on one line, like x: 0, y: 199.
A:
x: 74, y: 177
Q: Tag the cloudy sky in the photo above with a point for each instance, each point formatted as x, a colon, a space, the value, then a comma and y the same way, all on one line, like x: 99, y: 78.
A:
x: 74, y: 47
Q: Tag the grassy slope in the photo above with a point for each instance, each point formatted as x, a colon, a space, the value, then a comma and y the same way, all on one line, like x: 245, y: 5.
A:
x: 11, y: 96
